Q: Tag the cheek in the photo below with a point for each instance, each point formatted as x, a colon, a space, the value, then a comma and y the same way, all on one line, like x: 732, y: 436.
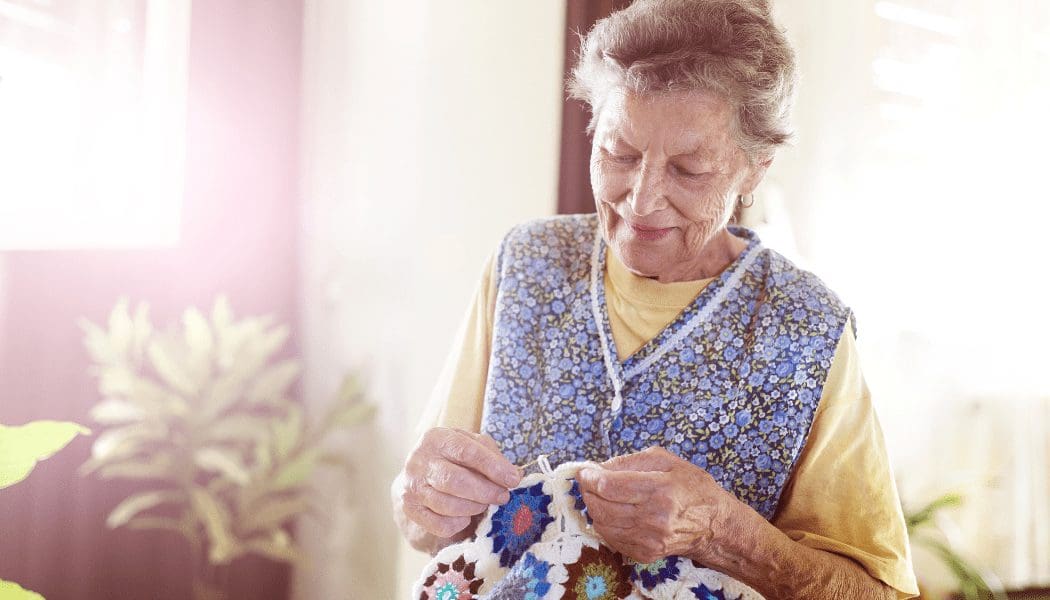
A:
x: 607, y: 184
x: 708, y: 205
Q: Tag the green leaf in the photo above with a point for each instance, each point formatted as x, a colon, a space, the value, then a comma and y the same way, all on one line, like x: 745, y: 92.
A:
x: 96, y: 341
x: 136, y: 503
x: 23, y: 446
x: 223, y: 461
x: 222, y: 393
x: 156, y: 466
x: 169, y: 370
x: 216, y: 520
x: 271, y: 512
x: 121, y: 329
x: 273, y: 383
x: 278, y: 546
x: 927, y: 512
x: 198, y: 333
x: 158, y: 523
x: 296, y: 471
x: 260, y: 348
x: 143, y: 332
x: 288, y: 431
x: 127, y: 441
x: 199, y: 344
x: 240, y: 428
x: 221, y: 314
x: 12, y: 591
x: 116, y: 412
x: 355, y: 414
x: 969, y: 578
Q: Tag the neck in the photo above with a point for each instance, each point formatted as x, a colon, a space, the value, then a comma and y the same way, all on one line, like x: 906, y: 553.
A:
x: 719, y: 252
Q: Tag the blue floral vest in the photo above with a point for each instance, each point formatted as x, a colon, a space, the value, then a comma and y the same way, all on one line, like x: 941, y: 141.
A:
x: 730, y: 385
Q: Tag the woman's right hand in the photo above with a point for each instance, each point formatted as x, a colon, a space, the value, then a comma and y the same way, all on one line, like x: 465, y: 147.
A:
x: 451, y: 476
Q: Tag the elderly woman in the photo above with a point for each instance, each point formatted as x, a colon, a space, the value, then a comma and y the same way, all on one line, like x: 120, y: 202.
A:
x: 718, y: 382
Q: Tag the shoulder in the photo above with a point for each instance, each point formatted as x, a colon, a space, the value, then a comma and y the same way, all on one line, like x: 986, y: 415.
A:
x: 802, y: 292
x: 557, y: 229
x: 564, y: 239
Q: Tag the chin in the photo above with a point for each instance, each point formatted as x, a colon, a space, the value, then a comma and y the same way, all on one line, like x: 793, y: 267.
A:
x: 641, y: 258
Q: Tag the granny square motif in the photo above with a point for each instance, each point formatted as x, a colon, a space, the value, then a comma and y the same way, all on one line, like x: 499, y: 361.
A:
x: 540, y: 546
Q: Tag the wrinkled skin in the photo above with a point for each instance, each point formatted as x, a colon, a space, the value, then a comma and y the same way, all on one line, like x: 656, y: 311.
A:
x: 451, y: 477
x: 666, y: 173
x: 653, y: 504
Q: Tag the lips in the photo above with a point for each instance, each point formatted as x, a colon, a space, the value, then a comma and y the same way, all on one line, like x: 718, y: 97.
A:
x: 649, y: 233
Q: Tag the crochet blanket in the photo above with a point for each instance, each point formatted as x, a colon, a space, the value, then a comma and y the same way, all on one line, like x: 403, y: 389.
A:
x: 540, y: 545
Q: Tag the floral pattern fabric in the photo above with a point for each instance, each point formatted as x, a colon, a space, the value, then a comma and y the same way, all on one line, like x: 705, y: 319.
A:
x: 567, y: 559
x: 730, y: 385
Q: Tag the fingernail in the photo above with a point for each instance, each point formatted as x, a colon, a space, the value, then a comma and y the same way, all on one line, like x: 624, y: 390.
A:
x: 588, y: 474
x: 504, y: 498
x: 512, y: 478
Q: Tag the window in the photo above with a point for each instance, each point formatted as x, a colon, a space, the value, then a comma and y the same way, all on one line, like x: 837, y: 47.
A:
x: 92, y: 105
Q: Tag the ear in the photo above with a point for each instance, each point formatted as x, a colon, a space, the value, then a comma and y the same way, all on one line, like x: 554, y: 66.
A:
x: 756, y: 172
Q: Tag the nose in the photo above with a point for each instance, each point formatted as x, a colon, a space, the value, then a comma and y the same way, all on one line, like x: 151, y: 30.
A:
x: 647, y: 194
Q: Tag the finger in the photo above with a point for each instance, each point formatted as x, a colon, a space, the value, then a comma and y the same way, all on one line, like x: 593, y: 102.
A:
x: 448, y: 505
x: 653, y: 458
x: 441, y: 526
x: 606, y: 513
x: 619, y: 486
x: 462, y: 482
x: 466, y: 451
x: 488, y: 441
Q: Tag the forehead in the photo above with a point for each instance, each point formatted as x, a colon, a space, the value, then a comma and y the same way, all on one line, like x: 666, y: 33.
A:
x: 679, y: 120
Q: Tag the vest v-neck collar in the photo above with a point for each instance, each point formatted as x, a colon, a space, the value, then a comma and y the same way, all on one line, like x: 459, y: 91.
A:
x: 678, y: 329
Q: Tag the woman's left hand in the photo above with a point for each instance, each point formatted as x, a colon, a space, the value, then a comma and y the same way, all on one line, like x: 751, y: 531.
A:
x: 653, y: 504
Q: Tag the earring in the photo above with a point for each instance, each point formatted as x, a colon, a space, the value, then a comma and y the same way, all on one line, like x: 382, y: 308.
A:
x: 747, y: 203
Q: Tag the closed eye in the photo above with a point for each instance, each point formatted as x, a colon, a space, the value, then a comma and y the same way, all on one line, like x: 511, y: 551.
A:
x: 623, y: 159
x: 682, y: 171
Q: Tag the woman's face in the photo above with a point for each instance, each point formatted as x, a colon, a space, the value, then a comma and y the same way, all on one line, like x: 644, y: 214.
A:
x: 666, y: 173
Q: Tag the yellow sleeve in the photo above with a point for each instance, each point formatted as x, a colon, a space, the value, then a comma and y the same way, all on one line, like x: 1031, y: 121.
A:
x: 842, y: 497
x: 459, y: 394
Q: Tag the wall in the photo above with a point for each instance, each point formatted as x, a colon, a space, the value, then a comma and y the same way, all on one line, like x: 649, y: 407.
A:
x: 238, y: 237
x: 429, y: 129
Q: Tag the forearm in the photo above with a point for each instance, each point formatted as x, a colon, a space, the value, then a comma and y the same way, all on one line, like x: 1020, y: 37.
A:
x: 755, y: 552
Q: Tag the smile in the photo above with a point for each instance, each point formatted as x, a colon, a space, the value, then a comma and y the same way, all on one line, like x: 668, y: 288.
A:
x: 649, y: 234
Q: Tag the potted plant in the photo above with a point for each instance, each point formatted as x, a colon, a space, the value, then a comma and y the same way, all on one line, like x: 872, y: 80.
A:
x: 203, y: 415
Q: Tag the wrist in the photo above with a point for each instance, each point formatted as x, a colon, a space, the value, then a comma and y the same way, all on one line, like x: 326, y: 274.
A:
x: 748, y: 548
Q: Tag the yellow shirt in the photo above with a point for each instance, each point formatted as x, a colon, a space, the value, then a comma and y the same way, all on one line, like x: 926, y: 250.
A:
x: 841, y: 497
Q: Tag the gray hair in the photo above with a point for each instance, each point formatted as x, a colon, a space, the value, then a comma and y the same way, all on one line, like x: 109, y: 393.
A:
x: 730, y: 47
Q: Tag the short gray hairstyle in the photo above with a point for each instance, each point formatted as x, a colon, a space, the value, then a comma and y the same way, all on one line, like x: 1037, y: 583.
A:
x: 730, y: 47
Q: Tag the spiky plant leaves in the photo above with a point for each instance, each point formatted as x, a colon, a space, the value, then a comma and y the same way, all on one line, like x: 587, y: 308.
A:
x: 115, y: 411
x: 131, y: 506
x: 277, y: 546
x: 216, y: 518
x: 223, y: 461
x: 273, y: 383
x: 205, y: 409
x: 158, y: 466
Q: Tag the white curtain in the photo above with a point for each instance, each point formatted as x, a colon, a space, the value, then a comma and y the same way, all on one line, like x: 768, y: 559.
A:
x: 917, y: 190
x: 429, y: 129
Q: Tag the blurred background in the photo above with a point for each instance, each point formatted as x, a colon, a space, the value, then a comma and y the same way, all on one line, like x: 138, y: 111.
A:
x: 346, y: 167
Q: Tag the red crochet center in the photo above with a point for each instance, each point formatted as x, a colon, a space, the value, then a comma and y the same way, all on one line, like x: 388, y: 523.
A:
x: 522, y: 520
